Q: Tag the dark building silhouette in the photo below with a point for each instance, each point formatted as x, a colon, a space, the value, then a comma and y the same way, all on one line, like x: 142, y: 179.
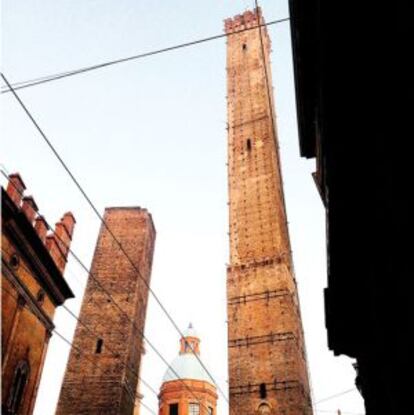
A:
x: 351, y: 90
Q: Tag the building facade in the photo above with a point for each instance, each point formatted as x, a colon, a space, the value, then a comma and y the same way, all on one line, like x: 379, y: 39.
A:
x: 267, y: 359
x: 187, y: 388
x: 104, y: 364
x: 33, y: 263
x: 355, y: 124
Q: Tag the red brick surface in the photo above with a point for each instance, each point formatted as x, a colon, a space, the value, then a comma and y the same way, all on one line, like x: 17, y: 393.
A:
x: 99, y: 383
x: 266, y: 347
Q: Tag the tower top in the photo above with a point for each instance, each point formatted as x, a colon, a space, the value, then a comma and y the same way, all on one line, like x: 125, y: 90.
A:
x: 243, y: 21
x: 191, y: 332
x: 190, y: 338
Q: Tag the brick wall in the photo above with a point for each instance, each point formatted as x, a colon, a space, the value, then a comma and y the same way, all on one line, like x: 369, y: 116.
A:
x: 99, y: 383
x: 267, y: 365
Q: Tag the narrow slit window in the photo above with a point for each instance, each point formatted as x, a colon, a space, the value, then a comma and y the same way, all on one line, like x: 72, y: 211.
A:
x: 249, y: 144
x: 263, y: 391
x: 244, y: 46
x: 99, y: 345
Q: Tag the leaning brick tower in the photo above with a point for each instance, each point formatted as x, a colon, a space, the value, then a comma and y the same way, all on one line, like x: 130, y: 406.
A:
x: 267, y: 361
x: 104, y: 363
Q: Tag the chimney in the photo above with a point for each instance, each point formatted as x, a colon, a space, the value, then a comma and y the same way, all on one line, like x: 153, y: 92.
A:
x: 29, y: 208
x: 41, y: 228
x: 69, y: 221
x: 59, y: 243
x: 15, y: 188
x: 62, y: 237
x: 64, y: 231
x: 55, y: 252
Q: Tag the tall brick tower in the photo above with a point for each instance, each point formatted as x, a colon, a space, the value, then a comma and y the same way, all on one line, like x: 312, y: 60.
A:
x: 97, y: 380
x: 267, y: 365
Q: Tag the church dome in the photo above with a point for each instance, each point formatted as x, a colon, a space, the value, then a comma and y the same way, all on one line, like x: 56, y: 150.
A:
x: 186, y: 364
x: 186, y: 385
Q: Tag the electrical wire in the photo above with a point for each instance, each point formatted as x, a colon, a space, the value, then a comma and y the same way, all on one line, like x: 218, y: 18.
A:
x: 53, y: 77
x: 94, y: 334
x: 340, y: 412
x: 61, y: 75
x: 335, y: 396
x: 77, y: 348
x: 115, y: 303
x: 94, y: 208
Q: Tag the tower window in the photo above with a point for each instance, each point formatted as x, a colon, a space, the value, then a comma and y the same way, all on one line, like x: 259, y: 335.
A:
x: 244, y: 46
x: 99, y: 345
x: 249, y: 144
x: 264, y: 409
x: 173, y: 409
x: 263, y: 391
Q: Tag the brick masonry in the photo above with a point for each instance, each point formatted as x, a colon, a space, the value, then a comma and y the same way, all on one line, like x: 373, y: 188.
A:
x: 98, y: 381
x: 267, y: 361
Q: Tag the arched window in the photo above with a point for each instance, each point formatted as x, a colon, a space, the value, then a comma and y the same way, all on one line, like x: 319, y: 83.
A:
x: 264, y: 409
x: 249, y: 144
x: 16, y: 394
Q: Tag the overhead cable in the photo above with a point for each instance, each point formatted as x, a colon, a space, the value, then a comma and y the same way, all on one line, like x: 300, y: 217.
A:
x: 54, y: 77
x: 77, y: 349
x: 335, y: 396
x: 112, y: 300
x: 118, y: 243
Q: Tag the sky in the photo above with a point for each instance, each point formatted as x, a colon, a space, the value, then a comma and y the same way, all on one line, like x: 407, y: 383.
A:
x: 151, y: 133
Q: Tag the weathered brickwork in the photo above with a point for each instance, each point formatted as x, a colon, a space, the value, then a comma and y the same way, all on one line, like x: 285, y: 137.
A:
x: 101, y: 373
x: 267, y: 364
